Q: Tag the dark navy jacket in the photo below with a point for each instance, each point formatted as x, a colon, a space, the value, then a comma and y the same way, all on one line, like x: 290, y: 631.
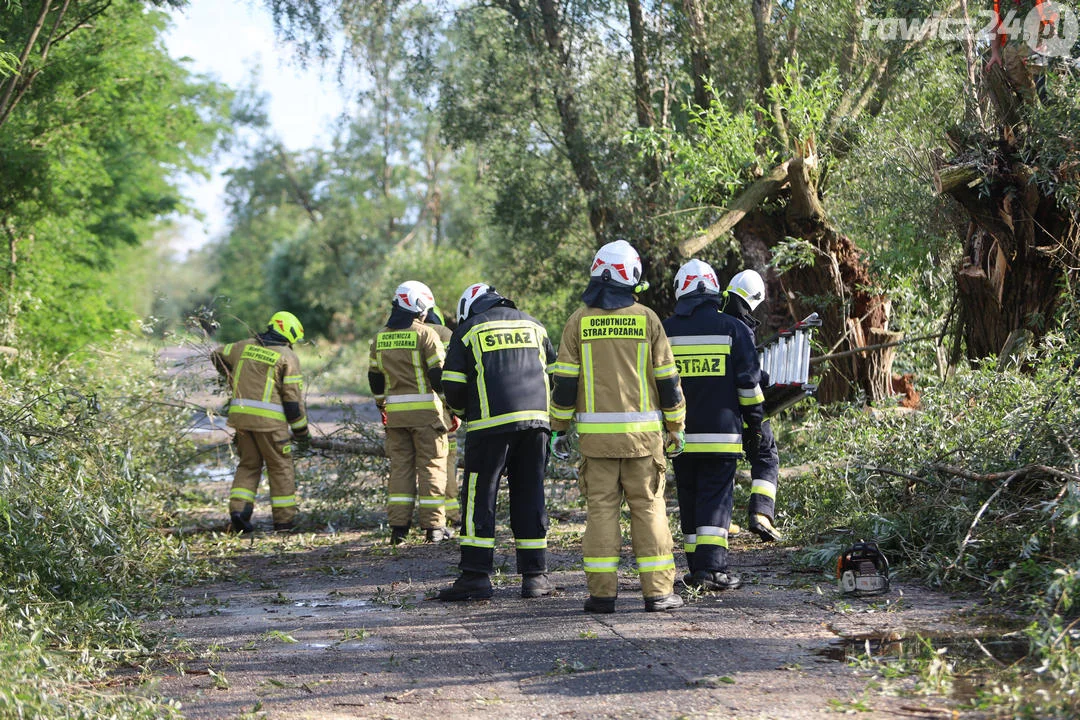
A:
x: 718, y: 366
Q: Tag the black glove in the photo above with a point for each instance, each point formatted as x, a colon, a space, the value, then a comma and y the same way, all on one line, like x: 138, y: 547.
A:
x: 560, y: 445
x: 751, y: 441
x: 302, y: 443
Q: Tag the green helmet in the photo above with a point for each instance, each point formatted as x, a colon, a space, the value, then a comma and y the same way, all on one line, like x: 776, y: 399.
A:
x: 287, y: 325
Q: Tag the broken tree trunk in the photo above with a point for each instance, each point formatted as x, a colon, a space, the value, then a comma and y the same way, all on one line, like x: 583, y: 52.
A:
x: 836, y: 285
x: 1010, y: 276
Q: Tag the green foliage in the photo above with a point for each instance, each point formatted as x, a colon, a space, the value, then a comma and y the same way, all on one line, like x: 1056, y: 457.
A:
x: 92, y: 150
x: 88, y: 452
x: 1050, y: 146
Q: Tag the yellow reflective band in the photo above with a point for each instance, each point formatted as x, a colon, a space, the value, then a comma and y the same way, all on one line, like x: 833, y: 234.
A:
x: 690, y: 543
x: 470, y: 541
x: 763, y: 487
x: 242, y: 494
x: 255, y: 411
x: 293, y: 380
x: 260, y: 354
x: 756, y: 399
x: 283, y: 501
x: 299, y: 424
x: 664, y: 371
x: 453, y: 443
x: 675, y: 415
x: 618, y: 427
x: 453, y: 376
x: 606, y: 327
x: 716, y: 540
x: 537, y: 544
x: 433, y: 360
x: 702, y: 349
x: 402, y: 499
x: 712, y: 447
x: 400, y: 340
x: 508, y: 339
x: 227, y: 349
x: 701, y: 365
x: 470, y: 524
x: 432, y: 501
x: 656, y: 563
x: 402, y: 407
x: 506, y: 419
x: 453, y: 505
x: 561, y: 413
x: 566, y: 369
x: 601, y: 564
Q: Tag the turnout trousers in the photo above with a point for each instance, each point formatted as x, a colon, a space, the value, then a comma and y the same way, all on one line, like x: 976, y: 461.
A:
x: 417, y: 475
x: 604, y: 483
x: 523, y: 453
x: 453, y: 504
x: 764, y: 474
x: 706, y: 490
x: 270, y: 449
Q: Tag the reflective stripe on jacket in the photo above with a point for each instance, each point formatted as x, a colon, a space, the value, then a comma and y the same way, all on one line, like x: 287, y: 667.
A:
x: 403, y: 357
x: 262, y: 378
x: 496, y: 371
x: 718, y: 365
x: 615, y: 358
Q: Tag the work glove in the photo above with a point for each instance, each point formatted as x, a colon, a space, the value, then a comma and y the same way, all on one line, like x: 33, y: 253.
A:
x: 302, y: 443
x: 751, y: 441
x: 674, y: 442
x: 382, y: 414
x: 560, y: 445
x: 455, y: 423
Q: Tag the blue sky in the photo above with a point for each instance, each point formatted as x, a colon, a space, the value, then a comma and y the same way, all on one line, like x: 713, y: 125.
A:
x: 231, y: 40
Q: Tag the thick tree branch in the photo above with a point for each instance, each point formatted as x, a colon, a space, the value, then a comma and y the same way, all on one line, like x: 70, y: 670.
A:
x: 737, y: 209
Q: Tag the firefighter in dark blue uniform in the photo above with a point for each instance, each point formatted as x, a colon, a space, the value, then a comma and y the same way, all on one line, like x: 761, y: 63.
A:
x: 744, y: 293
x: 495, y: 377
x: 719, y: 368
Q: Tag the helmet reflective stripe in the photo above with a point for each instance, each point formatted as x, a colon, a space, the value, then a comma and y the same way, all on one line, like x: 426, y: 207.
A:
x: 749, y: 286
x: 474, y: 291
x: 414, y: 296
x: 288, y: 325
x: 619, y: 262
x: 696, y: 276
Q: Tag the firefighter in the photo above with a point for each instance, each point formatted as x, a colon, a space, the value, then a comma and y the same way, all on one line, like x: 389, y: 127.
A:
x: 266, y: 409
x: 452, y: 506
x: 405, y: 375
x: 744, y: 293
x: 718, y: 366
x: 496, y: 378
x: 616, y: 377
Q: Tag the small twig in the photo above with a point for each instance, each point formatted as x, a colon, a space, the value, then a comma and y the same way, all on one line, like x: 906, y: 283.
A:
x: 987, y: 653
x: 978, y: 516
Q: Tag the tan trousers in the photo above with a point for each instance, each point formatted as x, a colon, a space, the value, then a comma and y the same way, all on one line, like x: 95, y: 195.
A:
x: 452, y: 506
x: 271, y: 449
x: 605, y: 482
x: 417, y: 474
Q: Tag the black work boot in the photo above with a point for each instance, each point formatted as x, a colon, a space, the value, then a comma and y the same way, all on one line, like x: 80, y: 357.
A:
x: 398, y: 533
x: 240, y: 520
x: 437, y: 535
x: 536, y: 585
x: 603, y: 605
x: 714, y: 580
x: 470, y: 586
x: 664, y: 602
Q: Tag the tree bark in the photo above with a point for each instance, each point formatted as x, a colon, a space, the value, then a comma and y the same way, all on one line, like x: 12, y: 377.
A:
x: 700, y: 63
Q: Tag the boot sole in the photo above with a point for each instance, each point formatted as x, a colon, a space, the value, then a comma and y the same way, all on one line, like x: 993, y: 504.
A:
x: 466, y: 596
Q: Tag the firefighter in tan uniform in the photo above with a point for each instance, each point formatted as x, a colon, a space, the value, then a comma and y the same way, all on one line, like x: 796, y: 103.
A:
x: 453, y: 506
x: 616, y: 377
x: 405, y: 375
x: 267, y: 411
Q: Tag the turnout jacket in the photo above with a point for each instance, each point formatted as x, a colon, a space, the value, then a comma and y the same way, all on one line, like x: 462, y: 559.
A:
x: 405, y: 375
x: 496, y: 370
x: 616, y: 377
x: 265, y: 382
x: 718, y: 366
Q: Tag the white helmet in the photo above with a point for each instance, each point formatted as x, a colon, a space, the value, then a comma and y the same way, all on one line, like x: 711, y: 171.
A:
x: 471, y: 295
x: 414, y: 296
x: 696, y: 276
x: 619, y: 262
x: 749, y: 286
